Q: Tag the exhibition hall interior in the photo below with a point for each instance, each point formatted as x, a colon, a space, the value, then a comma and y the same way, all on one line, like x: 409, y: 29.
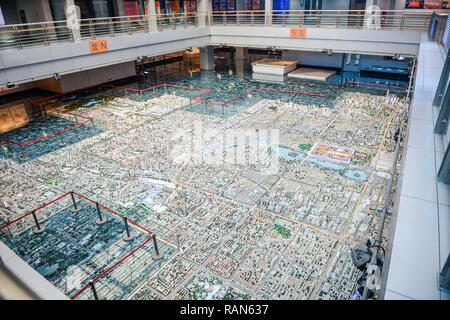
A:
x: 224, y: 150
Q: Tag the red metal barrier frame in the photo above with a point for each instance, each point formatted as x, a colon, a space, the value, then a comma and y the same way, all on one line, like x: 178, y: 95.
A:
x: 118, y: 214
x: 36, y: 102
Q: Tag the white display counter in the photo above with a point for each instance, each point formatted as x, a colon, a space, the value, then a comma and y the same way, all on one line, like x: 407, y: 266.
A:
x: 274, y: 66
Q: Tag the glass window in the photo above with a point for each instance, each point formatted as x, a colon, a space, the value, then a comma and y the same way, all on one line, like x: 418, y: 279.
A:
x: 58, y: 10
x: 101, y: 8
x: 159, y: 7
x: 224, y: 5
x: 254, y: 5
x: 281, y: 4
x: 173, y: 6
x: 190, y: 6
x: 131, y: 8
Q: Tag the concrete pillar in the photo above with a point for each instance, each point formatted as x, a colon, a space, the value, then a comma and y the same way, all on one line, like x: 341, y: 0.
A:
x: 151, y: 12
x: 240, y: 56
x: 399, y: 5
x: 10, y: 13
x: 240, y: 6
x: 46, y: 11
x: 73, y: 17
x: 47, y: 16
x: 35, y: 11
x: 204, y: 9
x: 119, y: 8
x: 207, y: 58
x: 268, y: 9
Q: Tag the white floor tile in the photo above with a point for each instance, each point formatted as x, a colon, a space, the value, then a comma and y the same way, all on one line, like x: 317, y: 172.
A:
x: 415, y: 256
x: 421, y: 109
x: 419, y: 179
x: 421, y: 134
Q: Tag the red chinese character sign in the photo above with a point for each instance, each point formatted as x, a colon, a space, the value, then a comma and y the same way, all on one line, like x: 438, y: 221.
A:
x: 98, y: 46
x: 298, y: 33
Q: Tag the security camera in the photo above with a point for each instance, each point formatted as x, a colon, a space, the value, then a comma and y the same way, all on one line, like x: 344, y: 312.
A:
x: 56, y: 76
x: 10, y: 85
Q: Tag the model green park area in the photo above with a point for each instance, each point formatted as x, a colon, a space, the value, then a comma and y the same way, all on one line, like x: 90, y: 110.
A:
x: 305, y: 146
x: 285, y: 232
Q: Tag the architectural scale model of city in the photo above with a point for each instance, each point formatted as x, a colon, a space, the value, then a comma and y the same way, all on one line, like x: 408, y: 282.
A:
x: 228, y: 230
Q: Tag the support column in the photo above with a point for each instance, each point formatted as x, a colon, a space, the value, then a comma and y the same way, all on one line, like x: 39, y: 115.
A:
x: 240, y: 6
x: 119, y: 8
x: 204, y: 9
x: 46, y: 11
x: 207, y: 58
x: 46, y: 16
x: 269, y: 6
x: 151, y: 12
x: 240, y: 56
x: 73, y: 19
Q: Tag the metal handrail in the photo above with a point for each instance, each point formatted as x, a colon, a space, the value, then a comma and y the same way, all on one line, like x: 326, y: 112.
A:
x: 47, y: 33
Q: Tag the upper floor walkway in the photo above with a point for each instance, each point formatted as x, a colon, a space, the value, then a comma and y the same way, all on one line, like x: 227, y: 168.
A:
x: 39, y: 50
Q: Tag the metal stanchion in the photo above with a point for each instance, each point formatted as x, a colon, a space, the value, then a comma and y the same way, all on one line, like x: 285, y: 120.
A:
x: 94, y: 292
x: 75, y: 208
x: 157, y: 255
x: 24, y: 156
x: 100, y: 219
x: 62, y: 143
x: 39, y: 229
x: 128, y: 236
